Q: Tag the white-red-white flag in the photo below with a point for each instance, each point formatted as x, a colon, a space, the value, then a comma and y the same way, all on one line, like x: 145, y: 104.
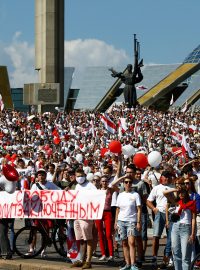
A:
x: 136, y: 129
x: 92, y: 128
x: 176, y: 136
x: 172, y: 100
x: 185, y: 147
x: 185, y: 107
x: 1, y: 103
x: 108, y: 123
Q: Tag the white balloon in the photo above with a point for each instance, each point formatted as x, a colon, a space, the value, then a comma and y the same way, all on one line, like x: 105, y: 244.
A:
x: 90, y: 176
x: 7, y: 185
x: 128, y: 150
x: 79, y: 157
x: 154, y: 159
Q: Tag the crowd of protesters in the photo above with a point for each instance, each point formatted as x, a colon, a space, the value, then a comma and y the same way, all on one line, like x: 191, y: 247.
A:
x: 72, y: 150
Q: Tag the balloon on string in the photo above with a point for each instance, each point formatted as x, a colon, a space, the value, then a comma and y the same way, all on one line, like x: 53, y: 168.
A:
x: 79, y: 158
x: 7, y: 185
x: 140, y: 160
x: 128, y: 150
x: 10, y: 173
x: 115, y: 147
x: 154, y: 158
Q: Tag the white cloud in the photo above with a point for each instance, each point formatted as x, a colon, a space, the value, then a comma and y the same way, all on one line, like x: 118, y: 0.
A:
x: 93, y: 52
x: 21, y: 55
x: 78, y: 53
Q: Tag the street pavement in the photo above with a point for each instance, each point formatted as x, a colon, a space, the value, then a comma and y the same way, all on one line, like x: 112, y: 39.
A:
x: 56, y: 262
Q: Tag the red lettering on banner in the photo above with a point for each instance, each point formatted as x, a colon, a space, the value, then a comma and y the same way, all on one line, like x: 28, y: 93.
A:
x: 56, y: 199
x: 73, y: 195
x: 19, y: 196
x: 94, y: 210
x: 82, y: 212
x: 43, y: 195
x: 59, y: 210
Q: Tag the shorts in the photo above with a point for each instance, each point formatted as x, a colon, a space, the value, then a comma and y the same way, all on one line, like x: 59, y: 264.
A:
x: 83, y: 229
x: 126, y: 229
x: 159, y: 224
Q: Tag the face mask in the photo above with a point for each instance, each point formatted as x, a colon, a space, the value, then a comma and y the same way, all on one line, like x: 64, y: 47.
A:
x: 80, y: 179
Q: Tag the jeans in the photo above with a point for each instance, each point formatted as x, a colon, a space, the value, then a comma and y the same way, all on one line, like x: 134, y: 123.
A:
x: 4, y: 241
x: 168, y: 249
x: 181, y: 248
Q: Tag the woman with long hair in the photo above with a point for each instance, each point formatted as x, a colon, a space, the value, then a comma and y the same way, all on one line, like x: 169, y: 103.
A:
x: 183, y: 226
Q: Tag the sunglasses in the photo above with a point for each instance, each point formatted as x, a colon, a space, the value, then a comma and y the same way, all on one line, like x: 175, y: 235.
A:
x: 128, y: 182
x: 179, y: 184
x: 187, y: 183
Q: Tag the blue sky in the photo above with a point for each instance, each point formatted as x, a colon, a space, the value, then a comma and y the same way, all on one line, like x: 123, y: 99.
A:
x: 100, y: 32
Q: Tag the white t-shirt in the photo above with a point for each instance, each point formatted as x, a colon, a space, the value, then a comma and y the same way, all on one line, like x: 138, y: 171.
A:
x: 48, y: 185
x: 157, y: 194
x: 127, y: 203
x: 186, y: 216
x: 86, y: 185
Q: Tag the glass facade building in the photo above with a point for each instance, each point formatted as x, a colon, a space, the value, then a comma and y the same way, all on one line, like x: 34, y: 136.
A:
x: 17, y: 97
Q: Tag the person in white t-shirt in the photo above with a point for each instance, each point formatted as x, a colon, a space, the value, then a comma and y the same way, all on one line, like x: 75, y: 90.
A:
x: 156, y: 194
x: 128, y: 222
x: 83, y: 228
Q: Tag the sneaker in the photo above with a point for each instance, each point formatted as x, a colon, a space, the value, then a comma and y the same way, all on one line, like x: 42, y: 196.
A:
x: 87, y: 265
x: 126, y: 267
x: 110, y: 259
x: 43, y: 254
x: 77, y: 264
x: 171, y: 263
x: 134, y: 267
x: 30, y: 253
x: 103, y: 258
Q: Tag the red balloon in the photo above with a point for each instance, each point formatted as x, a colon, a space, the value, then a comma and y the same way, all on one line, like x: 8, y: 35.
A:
x: 115, y: 147
x: 10, y: 173
x: 140, y: 160
x: 57, y: 140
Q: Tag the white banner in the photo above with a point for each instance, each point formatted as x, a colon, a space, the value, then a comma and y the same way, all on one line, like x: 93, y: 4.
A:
x: 53, y: 204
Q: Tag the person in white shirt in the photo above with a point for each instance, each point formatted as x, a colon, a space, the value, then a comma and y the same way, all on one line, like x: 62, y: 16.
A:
x: 83, y: 228
x: 128, y: 222
x: 159, y: 211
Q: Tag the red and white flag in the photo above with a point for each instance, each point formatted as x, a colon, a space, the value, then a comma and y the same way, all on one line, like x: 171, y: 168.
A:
x: 176, y: 136
x: 136, y: 129
x: 92, y: 130
x: 1, y: 103
x: 108, y: 123
x: 141, y: 87
x: 185, y: 147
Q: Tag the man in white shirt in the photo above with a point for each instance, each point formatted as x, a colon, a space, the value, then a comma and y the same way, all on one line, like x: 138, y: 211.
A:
x: 159, y: 211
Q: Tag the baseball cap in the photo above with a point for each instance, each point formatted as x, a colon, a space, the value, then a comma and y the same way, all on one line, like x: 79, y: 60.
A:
x: 41, y: 171
x: 166, y: 174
